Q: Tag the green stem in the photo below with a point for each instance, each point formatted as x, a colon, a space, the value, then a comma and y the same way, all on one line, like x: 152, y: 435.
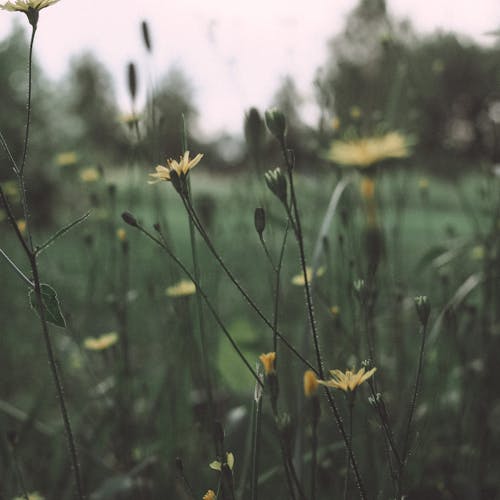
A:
x: 28, y: 105
x: 57, y: 380
x: 236, y: 283
x: 351, y: 406
x: 255, y: 448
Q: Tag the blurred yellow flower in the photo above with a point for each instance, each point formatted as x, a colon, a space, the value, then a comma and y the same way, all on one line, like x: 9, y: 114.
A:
x: 334, y: 310
x: 26, y: 5
x: 181, y: 289
x: 298, y: 279
x: 367, y: 151
x: 121, y: 234
x: 90, y: 174
x: 423, y: 184
x: 348, y: 381
x: 21, y: 224
x: 130, y: 119
x: 31, y: 496
x: 66, y: 159
x: 310, y: 383
x: 335, y: 123
x: 477, y: 252
x: 268, y: 362
x: 181, y: 167
x: 216, y: 465
x: 11, y: 190
x: 209, y: 495
x: 355, y: 112
x: 100, y: 343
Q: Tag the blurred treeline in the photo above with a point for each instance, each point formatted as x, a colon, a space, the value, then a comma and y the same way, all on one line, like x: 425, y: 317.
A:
x: 379, y: 74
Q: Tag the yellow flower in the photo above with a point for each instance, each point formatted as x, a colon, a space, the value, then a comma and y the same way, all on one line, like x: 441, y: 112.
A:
x: 90, y: 174
x: 298, y: 279
x: 367, y: 151
x: 100, y: 343
x: 181, y: 289
x: 130, y: 119
x: 26, y: 5
x: 335, y: 123
x: 11, y: 190
x: 21, y: 225
x: 268, y: 361
x: 181, y: 167
x: 423, y: 184
x: 216, y: 465
x: 121, y: 234
x: 355, y: 112
x: 334, y: 310
x: 348, y: 381
x: 310, y: 383
x: 66, y: 159
x: 209, y: 495
x: 31, y: 496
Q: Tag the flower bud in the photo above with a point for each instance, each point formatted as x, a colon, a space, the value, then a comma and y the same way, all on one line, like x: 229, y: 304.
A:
x: 276, y: 123
x: 129, y: 219
x: 260, y: 220
x: 423, y: 308
x: 132, y: 80
x: 276, y: 182
x: 146, y: 38
x: 310, y: 384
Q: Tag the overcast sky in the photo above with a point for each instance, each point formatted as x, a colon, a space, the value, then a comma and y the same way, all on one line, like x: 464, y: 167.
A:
x: 234, y: 52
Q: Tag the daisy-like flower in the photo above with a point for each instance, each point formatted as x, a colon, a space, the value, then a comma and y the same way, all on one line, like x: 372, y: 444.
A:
x: 216, y: 465
x: 298, y: 279
x: 66, y: 159
x: 101, y: 343
x: 181, y: 289
x: 26, y: 5
x: 90, y: 174
x: 268, y: 362
x: 181, y: 168
x: 368, y: 151
x: 348, y: 381
x: 209, y: 495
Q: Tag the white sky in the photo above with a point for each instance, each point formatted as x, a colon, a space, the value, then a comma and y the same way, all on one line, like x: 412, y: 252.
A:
x: 235, y: 52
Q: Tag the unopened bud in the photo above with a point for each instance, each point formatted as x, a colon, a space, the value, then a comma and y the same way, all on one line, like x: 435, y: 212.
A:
x: 276, y: 123
x: 423, y: 308
x: 260, y: 220
x: 146, y: 36
x: 132, y: 80
x: 129, y: 219
x: 276, y: 182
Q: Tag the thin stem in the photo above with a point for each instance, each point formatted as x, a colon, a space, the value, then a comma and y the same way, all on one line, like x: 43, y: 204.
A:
x: 236, y: 283
x: 314, y: 446
x: 346, y: 483
x: 255, y: 448
x: 13, y: 223
x: 413, y: 404
x: 57, y: 380
x: 16, y: 269
x: 28, y: 105
x: 9, y: 154
x: 205, y: 298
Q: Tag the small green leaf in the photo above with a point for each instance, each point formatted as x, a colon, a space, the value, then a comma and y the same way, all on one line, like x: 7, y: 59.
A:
x: 51, y: 306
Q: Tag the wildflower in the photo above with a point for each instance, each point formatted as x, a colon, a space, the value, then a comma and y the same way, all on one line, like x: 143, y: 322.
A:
x: 423, y: 184
x: 181, y: 168
x: 367, y: 151
x: 181, y: 289
x: 216, y: 465
x: 334, y: 311
x: 121, y: 234
x: 21, y: 225
x: 31, y: 8
x: 310, y: 383
x: 298, y: 279
x: 66, y: 159
x: 276, y: 123
x: 355, y: 112
x: 31, y: 496
x: 276, y: 182
x: 11, y: 190
x: 100, y: 343
x: 348, y: 381
x: 268, y: 361
x: 90, y: 174
x: 335, y: 123
x: 209, y: 495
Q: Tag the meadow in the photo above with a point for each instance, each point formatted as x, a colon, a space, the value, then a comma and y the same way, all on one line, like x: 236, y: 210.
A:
x: 175, y: 339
